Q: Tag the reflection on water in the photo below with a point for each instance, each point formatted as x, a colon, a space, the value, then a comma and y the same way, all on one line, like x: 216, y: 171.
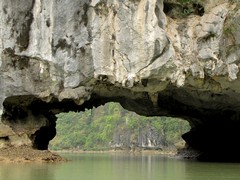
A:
x: 120, y: 167
x: 212, y: 171
x: 126, y: 167
x: 26, y: 172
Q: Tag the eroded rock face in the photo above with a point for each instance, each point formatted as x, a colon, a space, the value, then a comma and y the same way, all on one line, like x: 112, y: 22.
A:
x: 153, y: 57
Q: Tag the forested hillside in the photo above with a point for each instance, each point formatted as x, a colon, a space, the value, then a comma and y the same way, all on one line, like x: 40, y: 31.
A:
x: 112, y: 127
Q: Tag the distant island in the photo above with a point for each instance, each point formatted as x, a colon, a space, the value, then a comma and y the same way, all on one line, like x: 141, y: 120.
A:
x: 111, y: 127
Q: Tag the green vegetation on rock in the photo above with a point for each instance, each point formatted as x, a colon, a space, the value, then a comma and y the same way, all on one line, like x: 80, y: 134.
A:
x: 108, y: 126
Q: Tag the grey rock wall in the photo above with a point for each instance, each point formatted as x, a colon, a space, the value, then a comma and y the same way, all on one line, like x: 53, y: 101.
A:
x: 147, y: 138
x: 50, y: 48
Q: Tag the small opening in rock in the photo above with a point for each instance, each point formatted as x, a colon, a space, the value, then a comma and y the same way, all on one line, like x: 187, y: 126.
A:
x: 6, y: 138
x: 199, y: 9
x: 167, y: 8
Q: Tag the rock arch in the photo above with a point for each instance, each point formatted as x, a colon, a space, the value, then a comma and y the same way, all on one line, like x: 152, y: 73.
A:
x: 71, y: 55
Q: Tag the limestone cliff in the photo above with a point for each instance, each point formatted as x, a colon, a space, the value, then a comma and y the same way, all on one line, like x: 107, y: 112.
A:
x: 155, y: 57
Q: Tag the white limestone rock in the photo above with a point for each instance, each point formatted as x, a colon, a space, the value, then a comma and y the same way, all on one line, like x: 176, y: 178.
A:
x: 52, y: 47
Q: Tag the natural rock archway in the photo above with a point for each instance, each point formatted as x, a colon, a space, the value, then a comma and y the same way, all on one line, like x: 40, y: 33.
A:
x: 181, y: 60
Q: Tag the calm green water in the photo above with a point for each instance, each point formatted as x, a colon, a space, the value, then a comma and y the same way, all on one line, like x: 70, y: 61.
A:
x: 120, y: 167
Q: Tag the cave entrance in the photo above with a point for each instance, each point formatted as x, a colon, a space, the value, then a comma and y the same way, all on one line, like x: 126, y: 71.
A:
x: 214, y: 125
x: 32, y: 122
x: 111, y: 127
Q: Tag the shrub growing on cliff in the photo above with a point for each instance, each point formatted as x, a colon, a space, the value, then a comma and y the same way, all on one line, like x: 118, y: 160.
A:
x: 183, y: 8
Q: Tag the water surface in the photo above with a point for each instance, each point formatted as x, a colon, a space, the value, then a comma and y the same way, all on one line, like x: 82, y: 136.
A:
x: 121, y: 167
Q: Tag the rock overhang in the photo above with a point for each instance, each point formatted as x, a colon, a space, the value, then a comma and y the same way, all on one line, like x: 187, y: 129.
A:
x: 71, y: 55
